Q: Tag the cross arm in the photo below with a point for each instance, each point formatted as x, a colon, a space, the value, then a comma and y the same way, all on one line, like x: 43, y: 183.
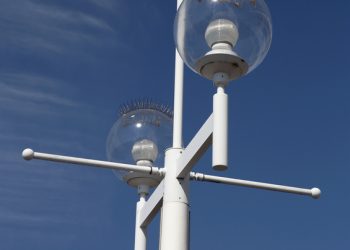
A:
x: 313, y: 192
x: 29, y: 154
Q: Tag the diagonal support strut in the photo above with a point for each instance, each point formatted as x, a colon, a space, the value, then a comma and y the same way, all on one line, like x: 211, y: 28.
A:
x: 152, y: 206
x: 196, y: 148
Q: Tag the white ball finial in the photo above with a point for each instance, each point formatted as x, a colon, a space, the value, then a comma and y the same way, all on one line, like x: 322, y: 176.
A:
x: 315, y: 193
x: 28, y: 154
x: 221, y: 31
x: 144, y: 150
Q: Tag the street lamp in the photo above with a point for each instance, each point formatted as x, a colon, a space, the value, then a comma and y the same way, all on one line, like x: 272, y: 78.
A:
x: 222, y: 40
x: 232, y: 36
x: 140, y: 136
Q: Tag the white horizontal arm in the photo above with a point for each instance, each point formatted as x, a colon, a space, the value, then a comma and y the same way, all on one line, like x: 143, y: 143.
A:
x: 29, y: 154
x: 314, y: 192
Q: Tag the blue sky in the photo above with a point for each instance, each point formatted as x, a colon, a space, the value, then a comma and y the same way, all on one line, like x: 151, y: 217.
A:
x: 66, y: 66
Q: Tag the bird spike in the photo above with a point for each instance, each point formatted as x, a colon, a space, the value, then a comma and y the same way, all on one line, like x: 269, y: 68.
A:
x: 145, y: 103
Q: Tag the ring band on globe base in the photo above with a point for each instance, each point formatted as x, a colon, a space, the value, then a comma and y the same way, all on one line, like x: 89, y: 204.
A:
x: 222, y: 61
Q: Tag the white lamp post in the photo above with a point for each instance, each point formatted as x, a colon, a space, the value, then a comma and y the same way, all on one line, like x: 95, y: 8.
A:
x: 222, y: 40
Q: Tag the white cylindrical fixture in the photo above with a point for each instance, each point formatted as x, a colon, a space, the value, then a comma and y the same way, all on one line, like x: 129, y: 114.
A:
x: 220, y: 129
x: 175, y: 211
x: 140, y: 232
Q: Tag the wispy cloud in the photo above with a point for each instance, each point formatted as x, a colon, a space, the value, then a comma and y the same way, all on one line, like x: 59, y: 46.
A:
x: 63, y: 16
x: 30, y: 103
x: 31, y: 80
x: 34, y: 26
x: 14, y: 94
x: 38, y: 109
x: 27, y: 182
x: 20, y: 92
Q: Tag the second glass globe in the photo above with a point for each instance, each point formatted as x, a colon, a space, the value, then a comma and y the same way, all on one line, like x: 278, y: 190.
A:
x: 140, y: 136
x: 232, y: 36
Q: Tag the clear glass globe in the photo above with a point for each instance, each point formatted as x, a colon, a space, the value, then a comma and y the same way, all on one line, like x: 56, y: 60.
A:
x: 142, y: 132
x: 241, y: 29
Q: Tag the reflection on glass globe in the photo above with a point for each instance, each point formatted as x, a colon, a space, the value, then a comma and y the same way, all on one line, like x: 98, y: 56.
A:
x: 140, y: 136
x: 223, y: 36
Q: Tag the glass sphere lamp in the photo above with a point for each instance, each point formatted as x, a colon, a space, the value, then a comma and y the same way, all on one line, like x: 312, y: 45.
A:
x: 223, y: 38
x: 141, y: 134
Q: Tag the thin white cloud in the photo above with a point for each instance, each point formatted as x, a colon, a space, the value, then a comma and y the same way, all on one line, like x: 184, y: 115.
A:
x: 31, y: 94
x: 26, y: 140
x: 57, y: 16
x: 26, y: 99
x: 26, y: 182
x: 31, y: 80
x: 37, y: 110
x: 18, y: 94
x: 32, y: 26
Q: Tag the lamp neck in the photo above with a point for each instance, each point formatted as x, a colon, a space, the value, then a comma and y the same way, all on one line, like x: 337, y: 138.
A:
x: 221, y: 45
x: 143, y: 191
x: 220, y: 90
x: 147, y: 163
x: 220, y: 80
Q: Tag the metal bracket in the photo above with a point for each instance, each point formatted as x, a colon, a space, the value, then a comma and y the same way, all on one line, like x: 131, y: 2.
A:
x: 196, y: 148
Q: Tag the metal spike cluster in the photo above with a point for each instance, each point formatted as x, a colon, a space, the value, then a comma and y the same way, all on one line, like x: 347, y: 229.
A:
x: 145, y: 103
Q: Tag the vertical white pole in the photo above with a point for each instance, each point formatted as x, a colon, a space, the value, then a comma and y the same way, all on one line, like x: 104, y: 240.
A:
x: 140, y: 232
x: 178, y: 98
x: 220, y: 129
x: 174, y: 224
x: 175, y: 212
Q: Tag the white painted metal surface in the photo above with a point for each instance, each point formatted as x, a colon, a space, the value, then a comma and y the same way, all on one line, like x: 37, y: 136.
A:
x: 29, y: 154
x: 140, y: 232
x: 313, y: 192
x: 178, y: 101
x: 196, y: 148
x: 220, y: 129
x: 175, y: 210
x: 152, y: 205
x: 178, y: 97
